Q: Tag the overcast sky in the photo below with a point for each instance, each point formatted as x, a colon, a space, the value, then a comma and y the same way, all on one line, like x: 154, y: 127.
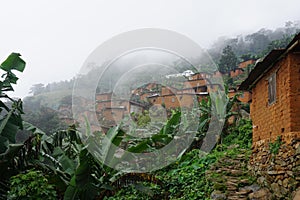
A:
x: 55, y: 37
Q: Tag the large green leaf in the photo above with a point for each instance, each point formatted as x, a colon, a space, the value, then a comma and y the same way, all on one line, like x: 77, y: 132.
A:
x: 13, y: 62
x: 172, y: 123
x: 141, y: 147
x: 9, y: 125
x: 82, y: 184
x: 4, y: 143
x: 72, y: 190
x: 110, y: 142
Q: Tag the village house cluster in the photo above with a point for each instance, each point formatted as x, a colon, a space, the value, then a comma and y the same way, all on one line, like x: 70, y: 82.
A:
x: 195, y: 87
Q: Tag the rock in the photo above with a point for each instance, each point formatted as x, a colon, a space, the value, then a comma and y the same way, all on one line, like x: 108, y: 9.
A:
x: 275, y: 172
x: 244, y: 181
x: 236, y: 197
x: 236, y: 172
x: 298, y: 150
x: 290, y: 173
x: 297, y: 195
x: 276, y: 189
x: 297, y: 145
x: 231, y: 188
x: 243, y: 192
x: 217, y: 195
x: 263, y: 194
x: 253, y: 187
x: 281, y: 163
x: 261, y: 180
x: 231, y: 183
x: 285, y: 183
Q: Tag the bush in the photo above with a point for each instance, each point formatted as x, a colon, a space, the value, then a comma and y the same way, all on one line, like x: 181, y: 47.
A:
x: 240, y: 134
x: 31, y: 185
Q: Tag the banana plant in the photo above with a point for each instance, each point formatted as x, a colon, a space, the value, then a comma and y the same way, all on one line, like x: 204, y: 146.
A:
x: 11, y: 111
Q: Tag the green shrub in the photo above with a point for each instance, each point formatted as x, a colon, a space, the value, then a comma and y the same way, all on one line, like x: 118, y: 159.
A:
x: 240, y: 134
x: 31, y: 185
x: 275, y: 146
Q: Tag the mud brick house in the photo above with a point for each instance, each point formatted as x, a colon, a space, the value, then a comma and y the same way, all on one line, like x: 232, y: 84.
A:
x: 244, y: 97
x: 172, y: 101
x: 111, y: 110
x: 275, y: 112
x: 112, y: 103
x: 167, y: 90
x: 275, y: 85
x: 236, y: 72
x: 110, y: 116
x: 194, y: 83
x: 104, y: 96
x: 144, y: 96
x: 200, y: 75
x: 245, y: 64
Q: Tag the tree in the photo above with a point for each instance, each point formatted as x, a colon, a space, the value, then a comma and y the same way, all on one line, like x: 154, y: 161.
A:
x: 37, y: 89
x: 228, y: 60
x: 45, y: 119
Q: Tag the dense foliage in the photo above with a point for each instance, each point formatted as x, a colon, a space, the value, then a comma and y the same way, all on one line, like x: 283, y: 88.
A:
x: 31, y: 185
x: 228, y: 61
x: 60, y: 165
x: 185, y: 179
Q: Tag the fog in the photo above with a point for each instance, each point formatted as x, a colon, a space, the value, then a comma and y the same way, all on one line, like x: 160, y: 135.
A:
x: 55, y: 37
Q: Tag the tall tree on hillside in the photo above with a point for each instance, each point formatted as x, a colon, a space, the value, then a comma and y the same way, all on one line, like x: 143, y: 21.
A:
x: 228, y: 60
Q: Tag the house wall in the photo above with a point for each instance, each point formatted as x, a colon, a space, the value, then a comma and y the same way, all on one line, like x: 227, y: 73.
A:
x: 174, y: 101
x: 282, y: 117
x: 100, y: 105
x: 246, y: 63
x: 205, y: 75
x: 103, y: 97
x: 144, y: 96
x: 111, y: 116
x: 295, y: 91
x: 196, y: 77
x: 186, y: 91
x: 236, y: 72
x: 155, y: 100
x: 277, y: 171
x: 194, y: 83
x: 167, y: 91
x: 170, y: 101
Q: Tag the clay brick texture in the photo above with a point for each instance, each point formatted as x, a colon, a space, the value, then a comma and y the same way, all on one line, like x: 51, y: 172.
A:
x: 246, y: 63
x: 282, y: 117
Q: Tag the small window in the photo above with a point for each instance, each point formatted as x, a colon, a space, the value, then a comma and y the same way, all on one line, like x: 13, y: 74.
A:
x: 173, y: 99
x: 272, y: 88
x: 162, y: 100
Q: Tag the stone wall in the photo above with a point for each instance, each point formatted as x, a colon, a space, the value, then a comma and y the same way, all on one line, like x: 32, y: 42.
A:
x: 280, y: 172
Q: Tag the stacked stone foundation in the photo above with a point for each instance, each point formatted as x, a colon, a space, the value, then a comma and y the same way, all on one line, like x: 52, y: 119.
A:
x: 278, y: 171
